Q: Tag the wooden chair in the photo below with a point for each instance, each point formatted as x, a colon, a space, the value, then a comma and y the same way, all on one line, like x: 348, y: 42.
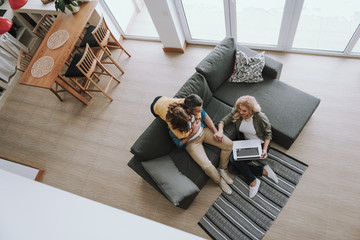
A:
x: 43, y: 26
x: 101, y: 37
x: 23, y: 60
x: 83, y: 73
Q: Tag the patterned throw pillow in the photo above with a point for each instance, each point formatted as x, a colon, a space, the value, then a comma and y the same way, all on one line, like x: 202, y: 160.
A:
x: 248, y: 69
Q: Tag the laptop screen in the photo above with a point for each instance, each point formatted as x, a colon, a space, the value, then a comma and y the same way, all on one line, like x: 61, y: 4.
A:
x: 251, y: 151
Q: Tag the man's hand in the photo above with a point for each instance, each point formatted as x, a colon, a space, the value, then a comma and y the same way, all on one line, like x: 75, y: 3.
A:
x: 195, y: 126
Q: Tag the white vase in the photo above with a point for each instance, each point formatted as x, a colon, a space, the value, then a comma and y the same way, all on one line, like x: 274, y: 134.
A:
x: 75, y: 9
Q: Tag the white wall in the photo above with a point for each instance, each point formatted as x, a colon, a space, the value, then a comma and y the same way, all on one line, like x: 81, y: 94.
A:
x: 166, y: 21
x: 32, y: 210
x: 164, y: 16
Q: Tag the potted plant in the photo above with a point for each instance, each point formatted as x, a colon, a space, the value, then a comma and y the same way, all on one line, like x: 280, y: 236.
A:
x: 61, y: 5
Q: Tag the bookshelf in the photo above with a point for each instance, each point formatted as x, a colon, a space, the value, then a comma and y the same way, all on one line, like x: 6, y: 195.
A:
x: 20, y: 36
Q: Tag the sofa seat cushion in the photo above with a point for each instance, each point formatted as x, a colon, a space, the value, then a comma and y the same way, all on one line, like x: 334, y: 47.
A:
x: 287, y: 108
x: 190, y: 168
x: 169, y: 179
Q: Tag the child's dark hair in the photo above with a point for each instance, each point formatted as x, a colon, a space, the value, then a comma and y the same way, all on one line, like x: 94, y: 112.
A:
x: 178, y: 117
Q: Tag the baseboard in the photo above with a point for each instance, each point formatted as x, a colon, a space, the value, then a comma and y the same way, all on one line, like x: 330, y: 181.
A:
x: 121, y: 39
x: 178, y: 50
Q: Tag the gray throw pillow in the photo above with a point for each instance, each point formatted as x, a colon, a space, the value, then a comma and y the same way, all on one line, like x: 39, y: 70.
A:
x: 169, y: 179
x: 248, y: 69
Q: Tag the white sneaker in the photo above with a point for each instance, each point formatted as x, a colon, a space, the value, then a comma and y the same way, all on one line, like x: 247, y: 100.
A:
x: 225, y: 176
x: 254, y: 190
x: 225, y: 187
x: 271, y: 174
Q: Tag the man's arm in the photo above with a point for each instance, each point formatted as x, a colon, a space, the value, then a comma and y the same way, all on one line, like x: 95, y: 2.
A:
x: 181, y: 142
x: 220, y: 134
x: 194, y: 129
x: 209, y: 123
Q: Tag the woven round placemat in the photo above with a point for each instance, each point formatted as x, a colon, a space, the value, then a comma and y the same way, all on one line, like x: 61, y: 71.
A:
x: 42, y: 66
x: 57, y: 39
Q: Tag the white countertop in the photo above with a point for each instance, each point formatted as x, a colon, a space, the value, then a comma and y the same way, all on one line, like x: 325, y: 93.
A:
x: 32, y: 6
x: 19, y: 169
x: 32, y: 210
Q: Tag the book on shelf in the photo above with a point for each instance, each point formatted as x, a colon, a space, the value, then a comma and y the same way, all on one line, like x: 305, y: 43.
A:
x: 11, y: 44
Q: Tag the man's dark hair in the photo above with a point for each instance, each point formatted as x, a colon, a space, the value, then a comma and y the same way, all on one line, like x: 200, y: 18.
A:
x: 192, y: 101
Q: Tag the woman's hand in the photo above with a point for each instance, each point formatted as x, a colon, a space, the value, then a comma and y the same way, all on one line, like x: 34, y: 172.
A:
x: 264, y: 154
x: 219, y: 135
x: 265, y: 148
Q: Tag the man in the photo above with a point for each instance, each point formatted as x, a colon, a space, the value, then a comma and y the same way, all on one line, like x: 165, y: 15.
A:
x: 160, y: 106
x: 202, y: 131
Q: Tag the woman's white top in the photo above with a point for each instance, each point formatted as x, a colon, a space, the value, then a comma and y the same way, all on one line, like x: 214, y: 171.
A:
x: 198, y: 132
x: 247, y: 128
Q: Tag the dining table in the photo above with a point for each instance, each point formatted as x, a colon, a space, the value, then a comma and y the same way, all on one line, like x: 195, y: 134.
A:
x: 74, y: 25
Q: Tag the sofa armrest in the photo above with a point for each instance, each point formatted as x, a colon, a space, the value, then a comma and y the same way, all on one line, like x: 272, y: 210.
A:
x: 272, y: 68
x: 154, y: 142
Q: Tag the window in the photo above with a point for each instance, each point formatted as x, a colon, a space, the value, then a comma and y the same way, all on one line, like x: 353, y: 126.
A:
x: 205, y: 19
x: 312, y: 26
x: 356, y: 49
x: 327, y: 25
x: 133, y: 17
x: 259, y: 22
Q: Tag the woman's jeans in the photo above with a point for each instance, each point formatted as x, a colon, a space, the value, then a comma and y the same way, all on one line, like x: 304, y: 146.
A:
x: 248, y: 171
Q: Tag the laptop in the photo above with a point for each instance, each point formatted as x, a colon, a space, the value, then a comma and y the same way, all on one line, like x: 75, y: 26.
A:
x: 247, y: 150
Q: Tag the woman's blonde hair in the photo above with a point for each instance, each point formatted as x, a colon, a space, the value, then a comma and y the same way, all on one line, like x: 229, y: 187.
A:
x: 249, y: 102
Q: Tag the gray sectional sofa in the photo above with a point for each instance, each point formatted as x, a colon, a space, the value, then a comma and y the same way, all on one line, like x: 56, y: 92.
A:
x: 171, y: 170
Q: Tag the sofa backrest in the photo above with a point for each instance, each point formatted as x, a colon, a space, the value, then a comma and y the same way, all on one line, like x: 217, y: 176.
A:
x: 218, y: 65
x: 196, y: 84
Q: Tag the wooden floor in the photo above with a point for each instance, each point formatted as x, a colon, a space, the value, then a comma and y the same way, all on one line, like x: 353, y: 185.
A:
x: 85, y: 149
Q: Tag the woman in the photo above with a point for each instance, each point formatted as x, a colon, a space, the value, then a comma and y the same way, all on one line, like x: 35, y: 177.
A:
x: 253, y: 124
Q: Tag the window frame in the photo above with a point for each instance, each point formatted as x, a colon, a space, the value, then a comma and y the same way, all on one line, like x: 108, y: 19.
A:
x: 289, y: 25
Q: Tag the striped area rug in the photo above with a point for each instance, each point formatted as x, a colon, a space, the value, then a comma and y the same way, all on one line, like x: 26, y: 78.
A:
x: 237, y: 216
